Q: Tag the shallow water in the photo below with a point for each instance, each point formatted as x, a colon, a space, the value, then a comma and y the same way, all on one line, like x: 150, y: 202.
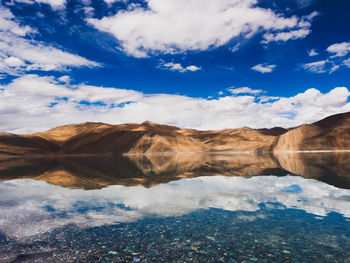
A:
x: 180, y: 208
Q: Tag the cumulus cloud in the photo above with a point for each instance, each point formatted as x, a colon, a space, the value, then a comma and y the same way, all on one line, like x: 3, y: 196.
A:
x: 19, y: 53
x: 32, y: 103
x: 245, y: 90
x: 178, y: 67
x: 264, y: 68
x: 171, y: 26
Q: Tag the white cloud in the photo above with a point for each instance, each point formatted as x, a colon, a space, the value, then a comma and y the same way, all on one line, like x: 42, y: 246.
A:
x: 178, y: 67
x: 268, y: 98
x: 334, y: 67
x: 31, y: 103
x: 89, y: 11
x: 8, y: 24
x: 301, y: 31
x: 109, y: 2
x: 264, y: 68
x: 339, y: 49
x: 245, y: 90
x: 192, y: 68
x: 18, y: 53
x: 312, y: 52
x: 347, y: 62
x: 316, y: 67
x: 285, y: 36
x: 170, y: 26
x: 235, y: 48
x: 23, y: 212
x: 322, y: 66
x: 338, y: 58
x: 55, y: 4
x: 64, y: 79
x: 14, y: 62
x: 304, y: 3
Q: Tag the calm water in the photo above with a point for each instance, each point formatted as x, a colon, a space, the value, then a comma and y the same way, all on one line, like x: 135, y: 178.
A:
x: 176, y: 208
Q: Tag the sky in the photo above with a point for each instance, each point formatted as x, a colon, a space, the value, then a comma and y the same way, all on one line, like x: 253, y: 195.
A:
x: 203, y: 64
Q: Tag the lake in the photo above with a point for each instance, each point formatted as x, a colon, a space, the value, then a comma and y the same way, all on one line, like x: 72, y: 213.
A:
x: 273, y: 207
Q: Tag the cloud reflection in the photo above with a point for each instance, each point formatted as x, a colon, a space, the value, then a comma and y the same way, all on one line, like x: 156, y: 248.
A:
x: 30, y: 207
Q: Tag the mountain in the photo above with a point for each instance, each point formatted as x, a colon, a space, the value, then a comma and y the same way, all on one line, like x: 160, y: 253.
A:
x: 331, y: 133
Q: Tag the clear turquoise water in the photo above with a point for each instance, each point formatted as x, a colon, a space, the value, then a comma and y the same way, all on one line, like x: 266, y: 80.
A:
x: 201, y: 219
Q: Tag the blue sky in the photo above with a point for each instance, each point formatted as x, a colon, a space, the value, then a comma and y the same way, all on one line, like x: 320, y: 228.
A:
x: 257, y: 63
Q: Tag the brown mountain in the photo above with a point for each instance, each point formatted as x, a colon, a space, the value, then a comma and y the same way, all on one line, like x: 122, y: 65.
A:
x: 332, y: 133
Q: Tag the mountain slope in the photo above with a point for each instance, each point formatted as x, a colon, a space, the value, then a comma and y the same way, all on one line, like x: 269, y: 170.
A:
x: 332, y: 133
x: 19, y: 144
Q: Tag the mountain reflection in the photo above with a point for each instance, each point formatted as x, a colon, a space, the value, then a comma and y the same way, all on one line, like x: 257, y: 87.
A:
x: 96, y: 172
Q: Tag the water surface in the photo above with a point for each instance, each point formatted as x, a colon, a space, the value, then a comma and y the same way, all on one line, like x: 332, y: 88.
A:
x: 176, y: 208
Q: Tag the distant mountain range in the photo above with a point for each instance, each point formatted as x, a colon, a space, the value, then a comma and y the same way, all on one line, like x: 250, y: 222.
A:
x: 331, y: 133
